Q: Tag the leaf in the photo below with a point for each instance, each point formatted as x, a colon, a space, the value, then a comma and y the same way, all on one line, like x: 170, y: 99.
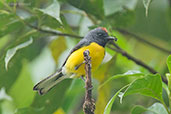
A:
x: 53, y: 10
x: 146, y: 5
x: 138, y: 109
x: 5, y: 18
x: 47, y: 21
x: 121, y: 19
x: 105, y: 69
x: 127, y: 74
x: 94, y: 7
x: 131, y: 72
x: 56, y: 47
x: 113, y: 6
x: 156, y: 108
x: 10, y: 27
x: 169, y: 63
x: 110, y: 103
x: 166, y: 87
x: 3, y: 95
x: 150, y: 85
x: 101, y: 75
x: 8, y: 78
x: 9, y: 24
x: 11, y: 52
x: 73, y: 95
x: 21, y: 91
x: 48, y: 103
x: 168, y: 76
x: 7, y: 107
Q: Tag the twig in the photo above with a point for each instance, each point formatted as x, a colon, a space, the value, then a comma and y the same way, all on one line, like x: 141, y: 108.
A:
x: 53, y: 32
x: 137, y: 61
x: 130, y: 57
x: 120, y: 30
x: 89, y: 103
x: 143, y: 40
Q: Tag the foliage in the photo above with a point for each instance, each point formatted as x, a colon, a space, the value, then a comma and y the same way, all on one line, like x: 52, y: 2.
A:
x: 36, y: 37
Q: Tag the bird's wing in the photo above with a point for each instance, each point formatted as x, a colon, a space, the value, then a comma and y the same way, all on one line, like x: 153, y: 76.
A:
x: 82, y: 43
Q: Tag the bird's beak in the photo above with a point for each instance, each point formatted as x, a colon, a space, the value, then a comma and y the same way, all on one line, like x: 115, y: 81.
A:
x: 112, y: 38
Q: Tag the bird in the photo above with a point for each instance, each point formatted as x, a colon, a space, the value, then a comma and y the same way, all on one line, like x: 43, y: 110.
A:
x: 73, y: 67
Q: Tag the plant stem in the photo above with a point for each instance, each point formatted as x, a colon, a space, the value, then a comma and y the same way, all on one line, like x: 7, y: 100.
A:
x: 144, y: 41
x: 137, y: 61
x: 89, y: 103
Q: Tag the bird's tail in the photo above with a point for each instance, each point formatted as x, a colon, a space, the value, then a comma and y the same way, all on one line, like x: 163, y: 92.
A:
x: 46, y: 84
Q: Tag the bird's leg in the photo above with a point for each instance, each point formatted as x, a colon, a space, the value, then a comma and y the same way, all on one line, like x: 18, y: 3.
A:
x: 90, y: 88
x: 82, y: 77
x: 78, y: 66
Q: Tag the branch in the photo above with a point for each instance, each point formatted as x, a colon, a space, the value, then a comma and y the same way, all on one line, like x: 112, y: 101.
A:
x: 143, y: 40
x: 137, y: 61
x: 89, y: 103
x: 53, y: 32
x: 120, y: 30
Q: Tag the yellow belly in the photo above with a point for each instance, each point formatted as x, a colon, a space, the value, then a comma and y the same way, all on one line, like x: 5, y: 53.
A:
x: 97, y: 53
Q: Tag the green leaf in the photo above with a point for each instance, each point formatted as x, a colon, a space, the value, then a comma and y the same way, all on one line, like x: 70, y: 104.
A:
x: 103, y: 73
x: 3, y: 95
x: 7, y: 78
x: 53, y: 10
x: 47, y: 20
x: 113, y: 6
x: 94, y: 7
x: 166, y: 87
x: 56, y: 48
x: 5, y: 18
x: 110, y: 103
x: 28, y: 110
x: 150, y: 85
x: 121, y: 19
x: 9, y: 26
x: 146, y: 5
x: 7, y: 107
x: 21, y: 90
x: 138, y: 109
x: 49, y: 102
x: 73, y: 95
x: 156, y: 108
x: 169, y: 63
x: 127, y: 74
x: 11, y: 52
x: 168, y: 76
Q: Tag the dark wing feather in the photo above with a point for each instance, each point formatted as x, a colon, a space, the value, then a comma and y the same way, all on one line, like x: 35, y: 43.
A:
x: 82, y: 43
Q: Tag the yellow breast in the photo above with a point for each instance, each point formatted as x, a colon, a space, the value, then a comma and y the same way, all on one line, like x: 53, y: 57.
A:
x: 97, y: 53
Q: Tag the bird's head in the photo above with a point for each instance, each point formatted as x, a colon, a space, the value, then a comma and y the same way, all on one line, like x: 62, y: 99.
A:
x: 100, y: 36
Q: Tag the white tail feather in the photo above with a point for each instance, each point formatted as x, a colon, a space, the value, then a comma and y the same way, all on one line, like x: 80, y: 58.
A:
x: 46, y: 84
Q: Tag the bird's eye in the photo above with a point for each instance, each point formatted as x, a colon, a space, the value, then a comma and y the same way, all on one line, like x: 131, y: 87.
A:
x: 100, y: 34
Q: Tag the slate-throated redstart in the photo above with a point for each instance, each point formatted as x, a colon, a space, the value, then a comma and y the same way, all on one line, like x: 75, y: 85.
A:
x: 73, y: 66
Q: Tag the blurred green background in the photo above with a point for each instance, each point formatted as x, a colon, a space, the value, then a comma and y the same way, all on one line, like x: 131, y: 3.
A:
x: 30, y: 50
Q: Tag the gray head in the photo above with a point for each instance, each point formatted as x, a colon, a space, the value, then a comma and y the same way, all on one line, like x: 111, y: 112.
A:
x: 99, y: 35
